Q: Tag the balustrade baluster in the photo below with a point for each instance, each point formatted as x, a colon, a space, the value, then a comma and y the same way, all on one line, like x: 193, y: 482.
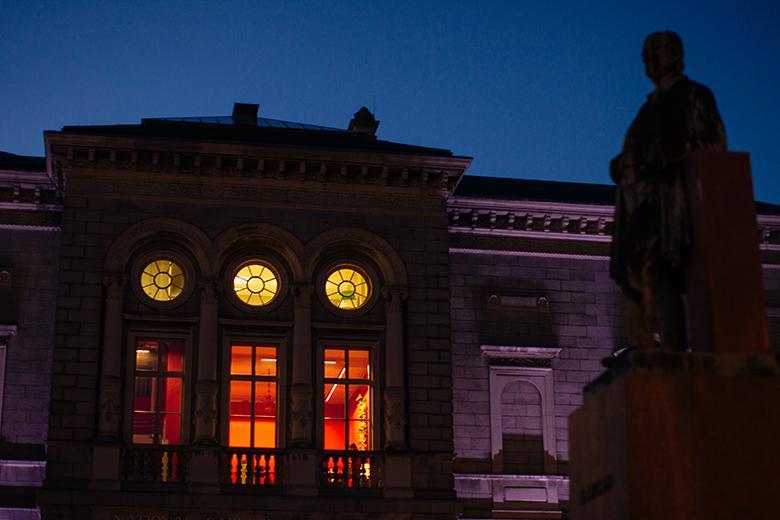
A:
x: 351, y: 470
x: 233, y: 468
x: 163, y: 474
x: 244, y: 468
x: 272, y: 469
x: 362, y: 478
x: 261, y: 470
x: 342, y: 471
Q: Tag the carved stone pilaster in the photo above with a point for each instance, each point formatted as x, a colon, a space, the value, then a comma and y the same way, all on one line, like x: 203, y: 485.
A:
x: 109, y: 398
x: 301, y: 414
x: 301, y: 391
x: 395, y: 393
x: 206, y: 411
x: 206, y: 386
x: 109, y: 408
x: 115, y: 285
x: 395, y: 417
x: 208, y: 292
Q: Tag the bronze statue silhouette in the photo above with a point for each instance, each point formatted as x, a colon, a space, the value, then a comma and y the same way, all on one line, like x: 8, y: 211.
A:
x: 652, y: 235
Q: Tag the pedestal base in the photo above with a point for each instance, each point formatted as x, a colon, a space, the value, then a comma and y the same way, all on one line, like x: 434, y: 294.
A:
x: 678, y: 436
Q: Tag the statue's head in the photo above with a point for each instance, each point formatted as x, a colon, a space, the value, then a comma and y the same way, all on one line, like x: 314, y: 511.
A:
x: 663, y: 56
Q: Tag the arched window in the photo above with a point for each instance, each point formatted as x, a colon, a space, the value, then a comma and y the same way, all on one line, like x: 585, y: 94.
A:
x: 256, y: 283
x: 347, y: 287
x: 162, y: 280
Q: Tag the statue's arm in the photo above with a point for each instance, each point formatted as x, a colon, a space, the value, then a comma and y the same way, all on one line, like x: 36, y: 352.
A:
x: 707, y: 130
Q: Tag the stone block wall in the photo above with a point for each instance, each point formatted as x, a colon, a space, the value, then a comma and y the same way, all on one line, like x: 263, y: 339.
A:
x: 772, y: 288
x: 521, y: 429
x: 582, y: 317
x: 33, y: 259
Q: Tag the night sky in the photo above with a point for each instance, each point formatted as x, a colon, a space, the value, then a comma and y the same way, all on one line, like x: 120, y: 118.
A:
x: 530, y: 91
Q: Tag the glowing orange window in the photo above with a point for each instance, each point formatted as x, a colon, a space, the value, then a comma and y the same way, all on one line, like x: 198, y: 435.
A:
x: 157, y: 399
x: 347, y: 399
x: 253, y: 384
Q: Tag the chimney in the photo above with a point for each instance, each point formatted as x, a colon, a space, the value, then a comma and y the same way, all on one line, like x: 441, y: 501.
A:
x: 245, y: 113
x: 364, y: 122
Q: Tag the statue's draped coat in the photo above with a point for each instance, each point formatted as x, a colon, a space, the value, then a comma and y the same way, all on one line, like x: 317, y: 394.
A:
x: 651, y: 209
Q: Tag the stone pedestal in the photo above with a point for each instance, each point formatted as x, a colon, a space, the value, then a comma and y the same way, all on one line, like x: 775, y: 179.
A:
x: 667, y: 436
x: 726, y: 310
x: 398, y: 476
x: 301, y: 472
x: 204, y: 471
x: 105, y: 467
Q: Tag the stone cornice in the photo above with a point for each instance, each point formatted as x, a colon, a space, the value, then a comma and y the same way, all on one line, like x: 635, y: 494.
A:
x: 28, y: 191
x: 326, y: 165
x: 32, y: 218
x: 559, y: 221
x: 556, y: 220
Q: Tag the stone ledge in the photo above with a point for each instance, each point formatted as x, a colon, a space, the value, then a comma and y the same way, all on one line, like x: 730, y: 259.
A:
x: 688, y: 363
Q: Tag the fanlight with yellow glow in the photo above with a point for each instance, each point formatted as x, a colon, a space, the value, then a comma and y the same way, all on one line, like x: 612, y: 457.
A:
x: 256, y: 284
x: 347, y: 288
x: 162, y: 280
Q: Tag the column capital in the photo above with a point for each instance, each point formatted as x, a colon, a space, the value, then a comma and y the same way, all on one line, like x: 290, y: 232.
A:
x: 115, y: 284
x: 208, y: 290
x: 394, y: 296
x: 302, y: 290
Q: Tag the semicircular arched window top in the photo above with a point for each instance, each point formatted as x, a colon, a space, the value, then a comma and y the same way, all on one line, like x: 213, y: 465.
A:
x: 347, y: 287
x: 163, y: 280
x: 256, y: 283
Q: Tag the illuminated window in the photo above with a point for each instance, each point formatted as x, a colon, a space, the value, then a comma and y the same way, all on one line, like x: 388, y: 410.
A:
x: 157, y: 401
x: 347, y: 288
x: 347, y: 399
x: 256, y: 283
x: 253, y: 383
x: 162, y: 280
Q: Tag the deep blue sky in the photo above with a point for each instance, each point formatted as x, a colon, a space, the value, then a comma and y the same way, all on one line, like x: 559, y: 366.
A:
x: 530, y: 91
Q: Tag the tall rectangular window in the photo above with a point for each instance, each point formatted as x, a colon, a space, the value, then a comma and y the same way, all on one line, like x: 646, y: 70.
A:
x: 157, y: 394
x: 347, y: 398
x: 253, y: 400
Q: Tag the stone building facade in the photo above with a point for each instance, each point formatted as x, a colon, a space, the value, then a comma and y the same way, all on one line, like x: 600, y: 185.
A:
x: 264, y: 319
x: 30, y: 213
